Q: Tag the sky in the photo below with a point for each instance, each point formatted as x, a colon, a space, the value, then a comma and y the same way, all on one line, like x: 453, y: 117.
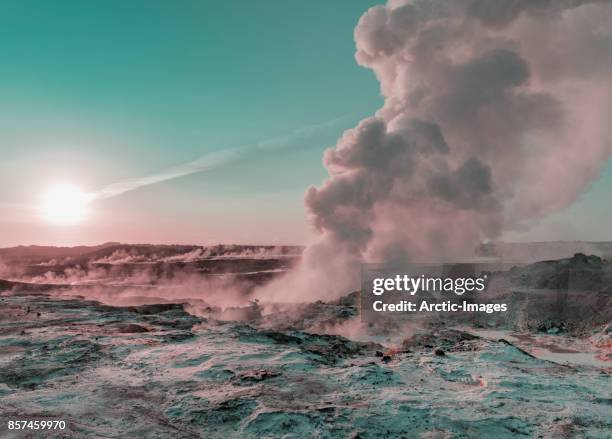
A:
x: 99, y: 92
x: 95, y: 93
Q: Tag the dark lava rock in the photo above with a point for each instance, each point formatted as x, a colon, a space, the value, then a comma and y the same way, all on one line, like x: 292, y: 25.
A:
x: 446, y: 339
x: 156, y: 308
x: 130, y: 328
x: 332, y: 348
x: 578, y: 272
x: 522, y: 351
x: 256, y: 375
x: 328, y: 349
x: 282, y: 338
x: 184, y: 323
x: 439, y: 353
x: 551, y: 326
x: 350, y: 300
x: 177, y: 337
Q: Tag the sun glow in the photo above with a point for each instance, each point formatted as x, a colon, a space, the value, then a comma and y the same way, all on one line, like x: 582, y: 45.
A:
x: 65, y: 204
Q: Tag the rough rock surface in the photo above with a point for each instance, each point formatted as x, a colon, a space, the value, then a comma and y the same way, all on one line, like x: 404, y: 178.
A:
x: 157, y: 371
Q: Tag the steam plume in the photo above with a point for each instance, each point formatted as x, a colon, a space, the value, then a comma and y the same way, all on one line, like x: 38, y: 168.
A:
x: 495, y: 115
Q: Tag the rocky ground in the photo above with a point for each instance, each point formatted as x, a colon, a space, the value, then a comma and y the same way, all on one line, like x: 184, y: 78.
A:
x: 185, y: 351
x: 158, y: 371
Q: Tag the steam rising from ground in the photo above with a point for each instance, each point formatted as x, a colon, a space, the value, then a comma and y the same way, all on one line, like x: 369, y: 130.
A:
x: 219, y: 275
x: 495, y: 116
x: 127, y: 256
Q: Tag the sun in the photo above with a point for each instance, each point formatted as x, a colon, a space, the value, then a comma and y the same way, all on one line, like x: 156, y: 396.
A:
x: 65, y: 204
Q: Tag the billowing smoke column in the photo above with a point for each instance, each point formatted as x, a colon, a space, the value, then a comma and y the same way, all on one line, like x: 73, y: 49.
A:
x: 496, y: 114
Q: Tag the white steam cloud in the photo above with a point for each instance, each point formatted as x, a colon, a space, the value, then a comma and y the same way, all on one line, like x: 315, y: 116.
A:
x: 496, y: 114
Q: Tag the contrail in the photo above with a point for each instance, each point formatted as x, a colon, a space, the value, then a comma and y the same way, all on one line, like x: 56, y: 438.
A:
x: 204, y: 163
x: 216, y: 159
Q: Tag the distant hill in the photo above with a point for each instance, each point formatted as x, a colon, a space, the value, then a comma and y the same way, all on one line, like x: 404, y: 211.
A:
x: 33, y: 254
x: 541, y: 251
x: 107, y: 252
x: 507, y: 251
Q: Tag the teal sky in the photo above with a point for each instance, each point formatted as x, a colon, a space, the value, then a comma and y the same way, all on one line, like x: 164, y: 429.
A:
x: 98, y: 92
